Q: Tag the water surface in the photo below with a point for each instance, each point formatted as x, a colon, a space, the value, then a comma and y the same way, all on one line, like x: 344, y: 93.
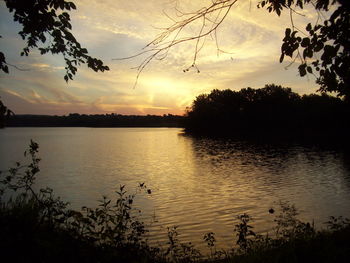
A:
x: 200, y: 185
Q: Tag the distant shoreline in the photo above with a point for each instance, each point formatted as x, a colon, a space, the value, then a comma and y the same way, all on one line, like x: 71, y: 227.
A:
x: 97, y: 121
x: 288, y: 133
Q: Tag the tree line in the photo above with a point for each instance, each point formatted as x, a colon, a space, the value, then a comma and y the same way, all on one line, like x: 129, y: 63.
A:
x: 273, y: 110
x: 95, y: 120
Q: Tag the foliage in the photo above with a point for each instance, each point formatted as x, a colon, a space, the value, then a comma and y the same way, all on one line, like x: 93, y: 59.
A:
x: 46, y: 26
x: 34, y: 215
x: 337, y: 223
x: 111, y: 224
x: 325, y: 49
x: 244, y: 233
x: 180, y: 252
x: 272, y: 110
x: 4, y: 113
x: 289, y: 227
x: 16, y: 179
x: 215, y: 254
x: 292, y: 240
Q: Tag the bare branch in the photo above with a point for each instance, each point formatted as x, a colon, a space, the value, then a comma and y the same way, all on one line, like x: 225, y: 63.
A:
x: 16, y: 67
x: 159, y: 47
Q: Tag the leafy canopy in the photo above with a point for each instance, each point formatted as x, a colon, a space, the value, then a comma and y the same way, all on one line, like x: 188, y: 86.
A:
x: 324, y: 48
x: 46, y: 26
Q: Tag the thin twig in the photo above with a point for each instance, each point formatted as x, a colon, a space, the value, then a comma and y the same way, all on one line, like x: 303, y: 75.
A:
x: 18, y: 68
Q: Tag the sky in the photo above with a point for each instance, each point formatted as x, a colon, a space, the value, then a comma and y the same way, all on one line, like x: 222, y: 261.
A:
x: 111, y: 29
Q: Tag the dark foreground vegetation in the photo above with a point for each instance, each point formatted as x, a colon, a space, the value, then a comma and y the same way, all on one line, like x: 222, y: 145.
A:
x: 36, y: 226
x: 272, y: 111
x: 95, y: 120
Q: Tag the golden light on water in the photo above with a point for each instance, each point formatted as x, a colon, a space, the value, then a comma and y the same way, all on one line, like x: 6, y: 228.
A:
x: 200, y: 185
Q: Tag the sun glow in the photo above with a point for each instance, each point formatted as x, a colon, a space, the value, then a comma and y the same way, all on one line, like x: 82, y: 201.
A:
x: 115, y: 29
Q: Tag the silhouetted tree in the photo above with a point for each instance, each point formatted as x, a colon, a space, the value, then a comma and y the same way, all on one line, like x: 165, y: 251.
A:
x: 325, y: 50
x: 272, y: 110
x: 45, y: 25
x: 4, y: 112
x: 46, y: 22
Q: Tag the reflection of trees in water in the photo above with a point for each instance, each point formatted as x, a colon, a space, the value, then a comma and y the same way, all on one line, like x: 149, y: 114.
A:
x: 345, y: 158
x: 251, y: 176
x: 242, y: 153
x: 273, y: 163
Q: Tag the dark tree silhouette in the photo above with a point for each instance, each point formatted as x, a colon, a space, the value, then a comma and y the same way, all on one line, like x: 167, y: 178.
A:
x: 325, y: 49
x: 43, y: 19
x: 4, y: 112
x: 269, y: 111
x: 45, y: 25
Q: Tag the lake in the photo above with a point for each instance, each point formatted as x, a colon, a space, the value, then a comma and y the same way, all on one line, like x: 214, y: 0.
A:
x: 198, y: 184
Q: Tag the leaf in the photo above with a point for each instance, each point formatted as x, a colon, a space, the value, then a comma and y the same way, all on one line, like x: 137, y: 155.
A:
x: 288, y: 31
x: 307, y: 53
x: 72, y: 5
x: 319, y: 46
x: 305, y: 42
x: 2, y: 57
x: 282, y: 57
x: 42, y: 51
x: 308, y: 27
x: 302, y: 70
x: 278, y: 11
x: 57, y: 24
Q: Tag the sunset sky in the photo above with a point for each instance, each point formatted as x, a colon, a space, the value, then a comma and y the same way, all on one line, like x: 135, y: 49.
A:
x: 112, y: 29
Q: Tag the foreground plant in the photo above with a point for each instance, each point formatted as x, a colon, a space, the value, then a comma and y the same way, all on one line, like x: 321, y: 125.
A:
x: 29, y: 216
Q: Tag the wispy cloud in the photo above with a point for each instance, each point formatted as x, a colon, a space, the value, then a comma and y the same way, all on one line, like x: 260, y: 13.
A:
x: 119, y: 28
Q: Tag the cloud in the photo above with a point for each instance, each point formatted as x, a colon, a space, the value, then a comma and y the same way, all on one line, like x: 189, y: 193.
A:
x: 44, y: 67
x: 118, y: 28
x: 22, y: 105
